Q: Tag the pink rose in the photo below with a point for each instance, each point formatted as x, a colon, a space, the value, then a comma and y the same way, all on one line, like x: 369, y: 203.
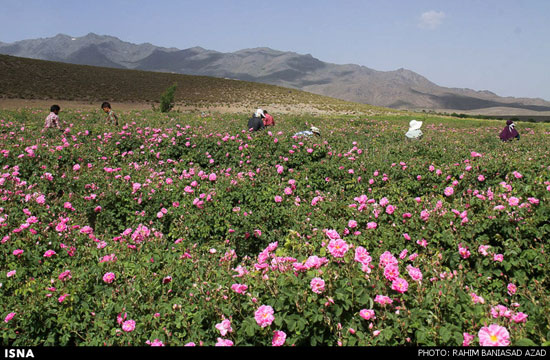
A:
x: 494, y: 335
x: 155, y: 342
x: 317, y: 285
x: 400, y: 285
x: 279, y: 338
x: 224, y: 342
x: 367, y: 314
x: 391, y: 272
x: 414, y: 273
x: 18, y: 252
x: 239, y: 288
x: 382, y: 300
x: 338, y: 248
x: 362, y: 256
x: 49, y: 253
x: 109, y: 277
x: 264, y: 315
x: 129, y: 325
x: 520, y: 317
x: 224, y: 327
x: 467, y: 339
x: 9, y: 317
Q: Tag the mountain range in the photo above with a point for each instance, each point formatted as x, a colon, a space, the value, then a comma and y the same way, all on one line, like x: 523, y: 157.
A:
x: 400, y: 89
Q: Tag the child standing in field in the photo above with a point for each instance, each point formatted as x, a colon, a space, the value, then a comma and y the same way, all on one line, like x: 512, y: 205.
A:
x: 111, y: 117
x: 52, y: 121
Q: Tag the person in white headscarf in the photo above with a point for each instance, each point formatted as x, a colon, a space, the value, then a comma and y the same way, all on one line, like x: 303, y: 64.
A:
x: 255, y: 122
x: 414, y: 130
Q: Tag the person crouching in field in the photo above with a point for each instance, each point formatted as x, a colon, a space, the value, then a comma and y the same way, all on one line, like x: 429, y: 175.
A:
x: 509, y: 132
x: 111, y: 116
x: 268, y: 119
x: 414, y: 130
x: 256, y: 121
x: 52, y: 121
x: 308, y: 133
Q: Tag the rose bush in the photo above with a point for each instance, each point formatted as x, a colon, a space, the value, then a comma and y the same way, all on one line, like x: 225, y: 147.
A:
x: 190, y: 230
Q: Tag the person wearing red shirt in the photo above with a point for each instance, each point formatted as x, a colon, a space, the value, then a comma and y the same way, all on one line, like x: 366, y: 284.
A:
x: 268, y: 119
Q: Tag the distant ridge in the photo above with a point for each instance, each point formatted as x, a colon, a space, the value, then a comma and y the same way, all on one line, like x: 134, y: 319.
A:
x: 400, y: 89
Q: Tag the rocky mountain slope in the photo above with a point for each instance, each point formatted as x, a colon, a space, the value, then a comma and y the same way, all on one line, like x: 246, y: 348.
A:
x: 400, y: 89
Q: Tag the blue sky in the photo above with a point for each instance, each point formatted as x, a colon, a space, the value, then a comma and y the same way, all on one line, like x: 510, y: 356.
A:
x: 497, y: 45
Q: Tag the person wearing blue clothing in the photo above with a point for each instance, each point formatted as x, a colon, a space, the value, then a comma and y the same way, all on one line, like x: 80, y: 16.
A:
x: 307, y: 133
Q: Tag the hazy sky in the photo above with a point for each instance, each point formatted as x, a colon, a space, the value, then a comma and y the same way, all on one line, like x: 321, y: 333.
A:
x: 497, y: 45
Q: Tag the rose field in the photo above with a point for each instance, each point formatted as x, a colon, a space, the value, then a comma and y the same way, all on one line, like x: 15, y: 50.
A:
x: 186, y: 229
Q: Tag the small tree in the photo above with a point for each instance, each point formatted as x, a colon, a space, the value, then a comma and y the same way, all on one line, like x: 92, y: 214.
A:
x: 167, y: 99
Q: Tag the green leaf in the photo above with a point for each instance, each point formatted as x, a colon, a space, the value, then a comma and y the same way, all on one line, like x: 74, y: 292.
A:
x: 525, y: 342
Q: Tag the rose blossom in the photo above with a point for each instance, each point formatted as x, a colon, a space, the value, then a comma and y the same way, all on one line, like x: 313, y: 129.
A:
x: 362, y: 256
x: 338, y: 248
x: 520, y: 317
x: 279, y: 338
x: 387, y: 258
x: 224, y: 327
x: 494, y: 335
x: 155, y: 342
x: 9, y: 317
x: 332, y: 234
x: 129, y: 325
x: 367, y: 314
x: 382, y: 300
x: 239, y: 288
x: 264, y: 315
x: 400, y: 285
x: 467, y: 339
x: 109, y: 277
x: 483, y: 249
x: 317, y: 285
x: 391, y: 272
x: 414, y: 273
x: 224, y: 342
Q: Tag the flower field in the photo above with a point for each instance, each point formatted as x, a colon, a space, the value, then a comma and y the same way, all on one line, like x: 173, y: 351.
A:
x: 187, y: 229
